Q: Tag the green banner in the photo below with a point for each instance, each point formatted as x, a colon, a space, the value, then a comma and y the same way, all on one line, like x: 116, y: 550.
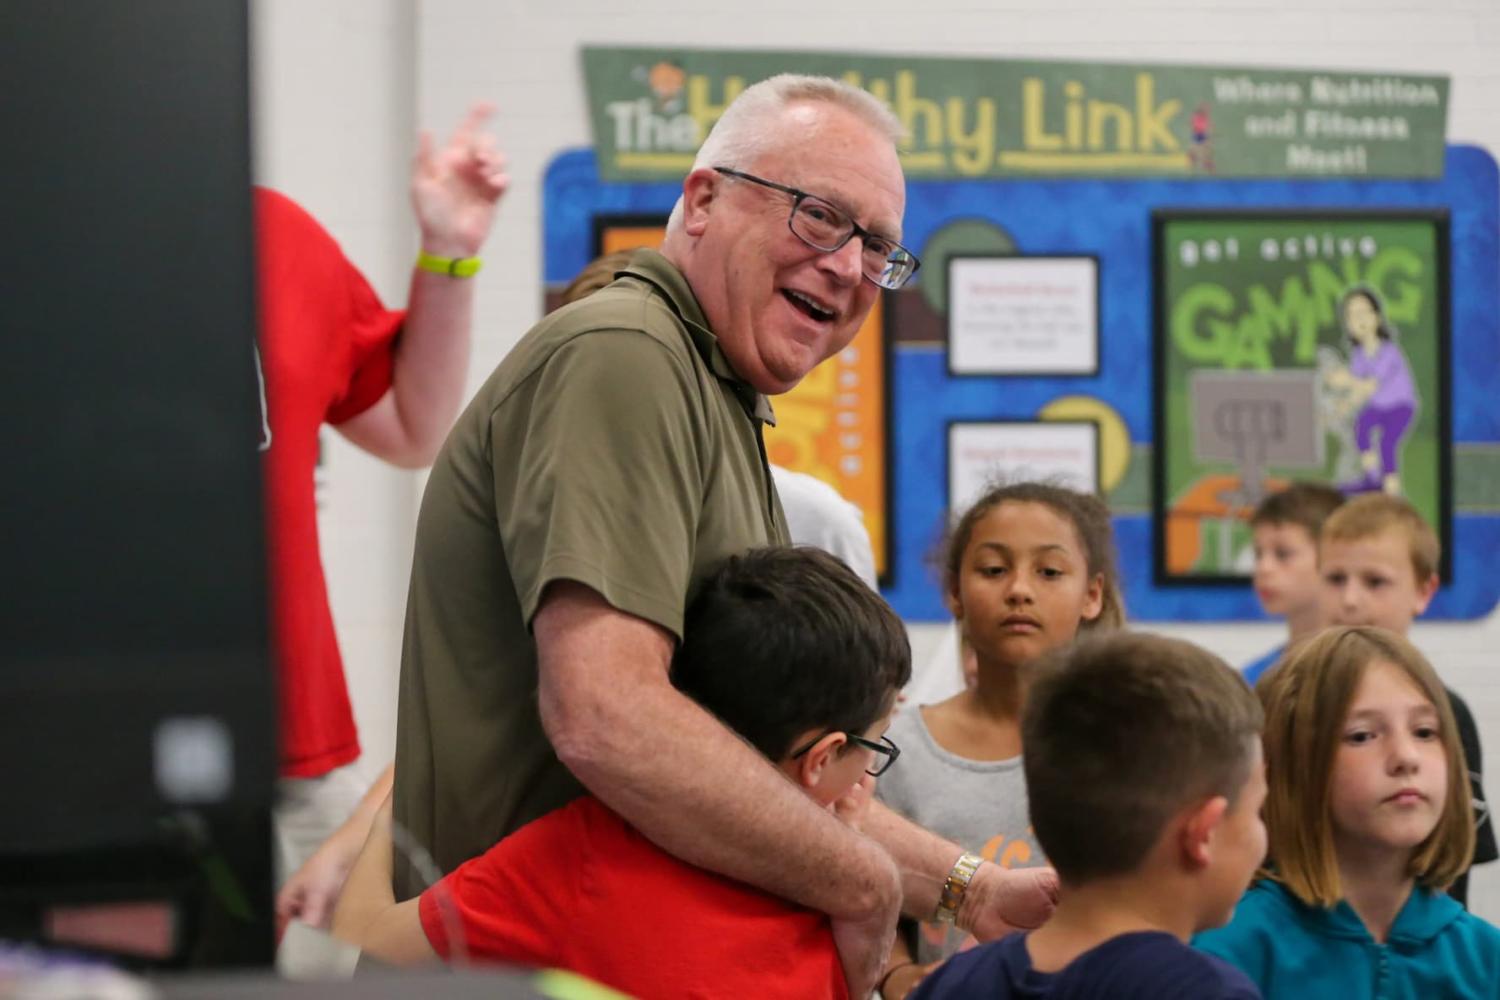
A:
x: 650, y: 109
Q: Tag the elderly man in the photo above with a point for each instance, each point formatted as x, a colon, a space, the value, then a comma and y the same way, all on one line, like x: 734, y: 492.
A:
x: 609, y: 463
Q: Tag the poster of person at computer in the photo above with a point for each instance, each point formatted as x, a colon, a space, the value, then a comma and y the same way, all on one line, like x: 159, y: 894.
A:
x: 1293, y: 346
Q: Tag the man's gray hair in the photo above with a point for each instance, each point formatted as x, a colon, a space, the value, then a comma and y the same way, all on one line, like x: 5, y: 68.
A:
x: 748, y: 127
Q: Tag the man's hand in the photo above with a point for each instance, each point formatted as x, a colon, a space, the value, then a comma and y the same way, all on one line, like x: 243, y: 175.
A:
x: 454, y: 190
x: 854, y: 805
x: 1000, y: 900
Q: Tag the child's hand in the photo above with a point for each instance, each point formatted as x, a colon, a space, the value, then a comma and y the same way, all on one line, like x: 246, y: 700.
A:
x: 854, y: 805
x: 311, y: 893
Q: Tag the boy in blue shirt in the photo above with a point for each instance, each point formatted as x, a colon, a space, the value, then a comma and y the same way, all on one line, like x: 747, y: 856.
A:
x: 1285, y: 529
x: 1143, y: 761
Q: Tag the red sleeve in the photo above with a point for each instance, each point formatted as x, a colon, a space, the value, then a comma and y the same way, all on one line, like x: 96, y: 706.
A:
x: 511, y: 903
x: 373, y: 330
x: 320, y: 303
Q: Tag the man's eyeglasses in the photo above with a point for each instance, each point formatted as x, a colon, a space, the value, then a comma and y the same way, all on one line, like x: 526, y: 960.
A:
x: 826, y: 227
x: 886, y: 752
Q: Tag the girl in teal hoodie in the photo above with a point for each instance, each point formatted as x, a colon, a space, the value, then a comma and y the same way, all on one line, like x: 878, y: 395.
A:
x: 1369, y: 820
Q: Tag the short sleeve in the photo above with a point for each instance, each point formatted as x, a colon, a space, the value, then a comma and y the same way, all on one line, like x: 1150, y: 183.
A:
x: 372, y: 330
x: 510, y: 903
x: 605, y: 482
x: 318, y: 313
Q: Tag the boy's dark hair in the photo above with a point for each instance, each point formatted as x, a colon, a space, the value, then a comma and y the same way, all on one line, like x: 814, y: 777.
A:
x: 1089, y: 517
x: 1304, y: 504
x: 784, y: 640
x: 1122, y: 731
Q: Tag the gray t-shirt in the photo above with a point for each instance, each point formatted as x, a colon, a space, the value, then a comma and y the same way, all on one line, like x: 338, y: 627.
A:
x: 980, y: 804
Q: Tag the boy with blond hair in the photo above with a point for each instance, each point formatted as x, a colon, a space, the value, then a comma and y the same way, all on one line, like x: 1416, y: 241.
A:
x: 1285, y: 529
x: 1143, y: 760
x: 1379, y: 561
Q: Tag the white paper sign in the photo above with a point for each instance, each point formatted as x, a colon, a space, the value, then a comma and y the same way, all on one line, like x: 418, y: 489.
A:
x: 1062, y: 452
x: 1023, y: 315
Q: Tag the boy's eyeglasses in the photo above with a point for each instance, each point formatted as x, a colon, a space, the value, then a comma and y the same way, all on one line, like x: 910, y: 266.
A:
x: 885, y: 751
x: 826, y: 227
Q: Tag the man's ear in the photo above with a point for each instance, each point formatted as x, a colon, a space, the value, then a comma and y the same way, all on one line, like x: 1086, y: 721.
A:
x: 1426, y: 590
x: 699, y: 189
x: 1196, y: 834
x: 810, y: 766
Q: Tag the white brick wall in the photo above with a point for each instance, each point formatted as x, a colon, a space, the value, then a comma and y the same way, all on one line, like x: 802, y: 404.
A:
x: 341, y: 84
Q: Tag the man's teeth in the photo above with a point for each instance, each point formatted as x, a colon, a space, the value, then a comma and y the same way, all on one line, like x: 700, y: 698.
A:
x: 818, y: 310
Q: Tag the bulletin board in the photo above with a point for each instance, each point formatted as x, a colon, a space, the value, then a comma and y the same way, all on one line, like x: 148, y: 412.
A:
x: 1112, y: 221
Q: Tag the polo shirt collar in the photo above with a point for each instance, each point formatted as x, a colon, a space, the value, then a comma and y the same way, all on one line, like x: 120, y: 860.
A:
x: 652, y: 267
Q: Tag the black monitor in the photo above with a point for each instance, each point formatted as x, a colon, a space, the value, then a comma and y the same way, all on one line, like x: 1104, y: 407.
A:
x: 136, y: 707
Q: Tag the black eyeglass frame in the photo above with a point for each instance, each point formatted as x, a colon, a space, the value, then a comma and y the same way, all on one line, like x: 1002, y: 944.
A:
x: 888, y: 750
x: 855, y: 229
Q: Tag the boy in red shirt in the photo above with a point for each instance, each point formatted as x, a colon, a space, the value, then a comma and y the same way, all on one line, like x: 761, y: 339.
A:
x: 792, y: 651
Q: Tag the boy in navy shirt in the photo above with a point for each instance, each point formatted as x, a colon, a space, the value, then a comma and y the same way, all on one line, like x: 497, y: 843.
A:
x: 1143, y: 760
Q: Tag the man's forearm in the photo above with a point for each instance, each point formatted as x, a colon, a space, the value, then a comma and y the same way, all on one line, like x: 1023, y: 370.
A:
x: 738, y: 817
x: 678, y: 775
x: 923, y: 858
x: 996, y: 901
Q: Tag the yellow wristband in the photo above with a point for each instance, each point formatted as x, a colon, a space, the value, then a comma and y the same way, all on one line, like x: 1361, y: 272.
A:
x: 453, y: 267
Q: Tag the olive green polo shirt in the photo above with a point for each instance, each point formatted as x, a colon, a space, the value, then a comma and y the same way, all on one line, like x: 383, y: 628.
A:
x: 615, y: 447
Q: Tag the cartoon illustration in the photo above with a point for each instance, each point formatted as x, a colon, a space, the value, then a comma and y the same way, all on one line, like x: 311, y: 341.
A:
x: 1378, y: 386
x: 1313, y: 353
x: 1336, y: 410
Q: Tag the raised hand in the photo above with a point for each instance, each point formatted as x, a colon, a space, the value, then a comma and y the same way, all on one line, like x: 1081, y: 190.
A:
x: 455, y: 189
